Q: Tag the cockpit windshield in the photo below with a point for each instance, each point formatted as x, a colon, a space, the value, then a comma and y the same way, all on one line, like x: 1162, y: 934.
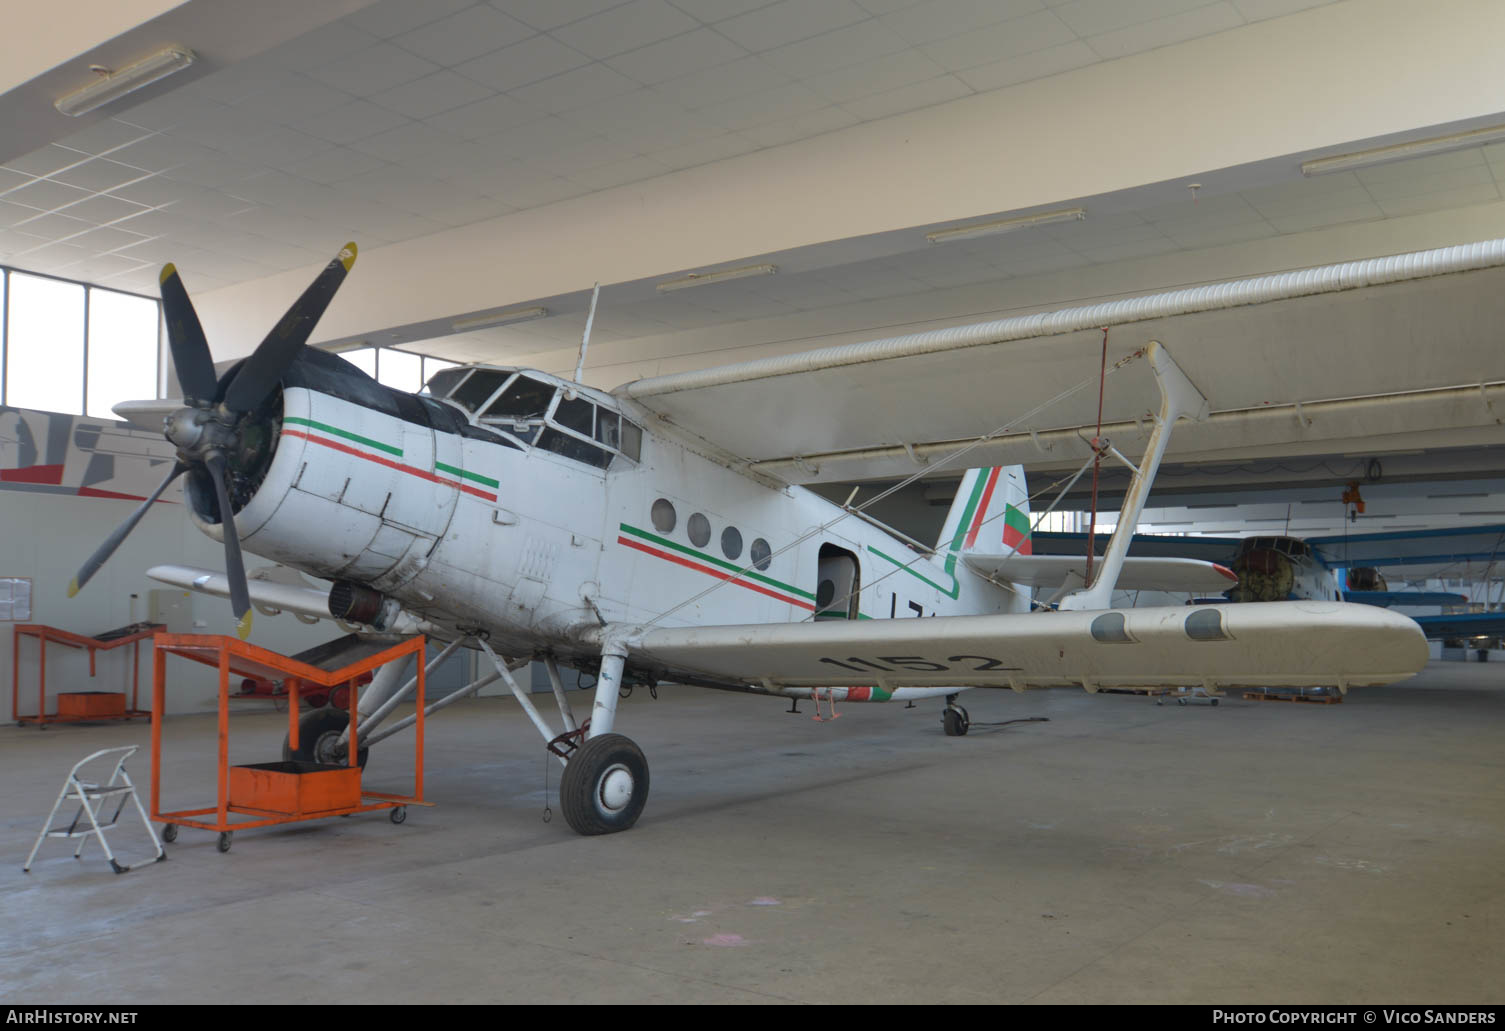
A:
x: 477, y: 388
x: 523, y: 399
x: 538, y: 412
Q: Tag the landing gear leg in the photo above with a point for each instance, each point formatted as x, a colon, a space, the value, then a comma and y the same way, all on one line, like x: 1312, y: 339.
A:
x: 605, y: 783
x: 955, y: 720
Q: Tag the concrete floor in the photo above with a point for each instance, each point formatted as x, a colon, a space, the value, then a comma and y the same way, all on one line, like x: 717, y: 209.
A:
x: 1122, y: 852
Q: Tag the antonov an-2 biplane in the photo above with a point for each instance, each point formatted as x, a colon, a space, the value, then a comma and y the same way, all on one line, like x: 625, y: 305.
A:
x: 526, y: 516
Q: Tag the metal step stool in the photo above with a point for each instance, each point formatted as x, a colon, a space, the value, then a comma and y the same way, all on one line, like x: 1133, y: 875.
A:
x: 92, y: 799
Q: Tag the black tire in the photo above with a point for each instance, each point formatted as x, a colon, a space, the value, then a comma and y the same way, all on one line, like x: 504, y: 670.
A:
x: 170, y: 833
x: 399, y: 814
x: 605, y: 785
x: 314, y: 730
x: 955, y: 723
x: 224, y: 840
x: 1214, y: 701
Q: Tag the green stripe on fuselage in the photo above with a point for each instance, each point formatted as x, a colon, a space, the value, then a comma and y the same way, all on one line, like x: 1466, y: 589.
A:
x: 731, y: 566
x: 336, y: 431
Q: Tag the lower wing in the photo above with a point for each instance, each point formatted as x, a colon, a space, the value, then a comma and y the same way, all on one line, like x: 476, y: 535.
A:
x: 1275, y: 644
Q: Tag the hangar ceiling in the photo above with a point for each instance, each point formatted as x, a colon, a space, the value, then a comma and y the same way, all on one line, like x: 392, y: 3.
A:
x: 401, y: 119
x: 452, y: 139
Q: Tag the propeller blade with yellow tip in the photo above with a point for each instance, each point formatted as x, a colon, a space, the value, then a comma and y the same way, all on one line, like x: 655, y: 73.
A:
x: 259, y: 376
x: 185, y: 338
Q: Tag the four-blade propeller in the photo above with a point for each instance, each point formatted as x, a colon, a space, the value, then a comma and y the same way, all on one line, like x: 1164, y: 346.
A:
x: 214, y: 429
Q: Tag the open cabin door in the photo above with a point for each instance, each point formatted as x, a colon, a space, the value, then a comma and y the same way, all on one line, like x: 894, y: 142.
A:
x: 837, y: 584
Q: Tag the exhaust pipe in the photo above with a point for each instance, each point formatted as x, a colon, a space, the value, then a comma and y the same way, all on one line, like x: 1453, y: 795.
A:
x: 354, y: 603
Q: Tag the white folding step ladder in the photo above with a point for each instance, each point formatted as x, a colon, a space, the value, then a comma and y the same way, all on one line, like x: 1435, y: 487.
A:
x: 92, y: 800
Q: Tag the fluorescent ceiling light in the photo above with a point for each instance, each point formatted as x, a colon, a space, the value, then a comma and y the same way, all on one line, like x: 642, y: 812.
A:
x: 1007, y: 225
x: 114, y: 85
x: 698, y: 278
x: 500, y: 318
x: 1381, y: 155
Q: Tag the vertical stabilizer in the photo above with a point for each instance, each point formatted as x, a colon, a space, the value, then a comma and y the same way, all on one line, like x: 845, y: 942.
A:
x: 990, y: 513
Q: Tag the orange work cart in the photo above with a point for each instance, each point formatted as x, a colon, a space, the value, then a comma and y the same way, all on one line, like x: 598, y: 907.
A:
x: 266, y: 794
x: 73, y: 706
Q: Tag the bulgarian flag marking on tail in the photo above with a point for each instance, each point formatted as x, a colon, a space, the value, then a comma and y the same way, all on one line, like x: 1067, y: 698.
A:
x: 1016, y: 531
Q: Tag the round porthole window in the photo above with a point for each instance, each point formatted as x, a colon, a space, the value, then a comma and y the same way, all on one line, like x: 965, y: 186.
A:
x: 731, y: 542
x: 663, y: 515
x: 761, y: 553
x: 700, y: 530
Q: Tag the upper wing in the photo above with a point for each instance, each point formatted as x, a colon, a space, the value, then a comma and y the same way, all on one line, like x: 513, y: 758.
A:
x: 867, y: 410
x: 1138, y: 574
x: 1406, y: 598
x: 1287, y: 644
x: 1447, y: 551
x: 1464, y: 624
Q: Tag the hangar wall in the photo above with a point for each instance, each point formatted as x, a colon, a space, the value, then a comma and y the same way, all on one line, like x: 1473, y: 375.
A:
x: 65, y: 483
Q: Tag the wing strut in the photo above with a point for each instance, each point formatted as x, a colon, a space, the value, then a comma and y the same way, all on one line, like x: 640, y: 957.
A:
x: 1178, y: 398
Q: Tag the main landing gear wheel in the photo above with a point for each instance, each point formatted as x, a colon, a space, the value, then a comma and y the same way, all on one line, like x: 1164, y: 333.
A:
x: 604, y: 786
x: 956, y: 721
x: 318, y: 734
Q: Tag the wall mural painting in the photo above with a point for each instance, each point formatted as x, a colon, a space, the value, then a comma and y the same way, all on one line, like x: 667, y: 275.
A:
x: 50, y: 453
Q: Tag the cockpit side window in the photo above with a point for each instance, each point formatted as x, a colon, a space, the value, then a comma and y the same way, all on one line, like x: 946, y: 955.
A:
x: 632, y: 441
x: 573, y: 447
x: 575, y: 414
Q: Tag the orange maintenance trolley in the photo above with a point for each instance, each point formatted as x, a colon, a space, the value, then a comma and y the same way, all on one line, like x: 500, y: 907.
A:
x: 73, y: 706
x: 278, y: 792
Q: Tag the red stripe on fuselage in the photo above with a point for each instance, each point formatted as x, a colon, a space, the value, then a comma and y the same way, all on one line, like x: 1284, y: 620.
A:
x: 410, y: 470
x: 718, y: 574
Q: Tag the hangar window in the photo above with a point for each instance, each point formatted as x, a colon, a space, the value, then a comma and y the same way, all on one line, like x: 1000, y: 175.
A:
x: 76, y: 349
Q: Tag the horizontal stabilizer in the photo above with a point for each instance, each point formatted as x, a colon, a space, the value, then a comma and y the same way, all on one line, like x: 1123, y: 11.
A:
x: 1138, y: 574
x: 1276, y: 644
x: 149, y: 415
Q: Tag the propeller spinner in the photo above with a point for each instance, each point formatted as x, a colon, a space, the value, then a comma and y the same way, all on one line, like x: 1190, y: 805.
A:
x: 213, y: 427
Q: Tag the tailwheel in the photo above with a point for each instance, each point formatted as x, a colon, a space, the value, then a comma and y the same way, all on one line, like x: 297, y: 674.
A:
x: 604, y: 786
x: 955, y: 719
x: 318, y: 739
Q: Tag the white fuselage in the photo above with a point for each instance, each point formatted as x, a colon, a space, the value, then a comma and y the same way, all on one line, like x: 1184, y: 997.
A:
x: 482, y: 528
